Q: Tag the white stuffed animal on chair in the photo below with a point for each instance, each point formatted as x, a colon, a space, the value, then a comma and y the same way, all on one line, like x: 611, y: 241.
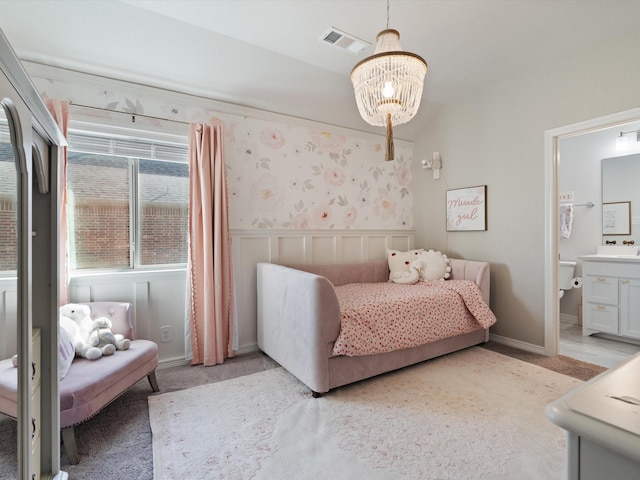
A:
x: 76, y: 320
x: 103, y: 336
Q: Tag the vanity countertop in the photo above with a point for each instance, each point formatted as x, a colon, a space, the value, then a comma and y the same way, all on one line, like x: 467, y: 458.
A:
x: 611, y: 258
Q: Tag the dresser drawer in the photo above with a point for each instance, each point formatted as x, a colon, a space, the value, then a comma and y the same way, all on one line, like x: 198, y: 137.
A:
x: 35, y: 461
x: 36, y: 420
x: 36, y: 366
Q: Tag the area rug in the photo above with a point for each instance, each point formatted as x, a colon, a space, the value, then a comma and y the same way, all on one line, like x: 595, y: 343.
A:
x: 473, y: 414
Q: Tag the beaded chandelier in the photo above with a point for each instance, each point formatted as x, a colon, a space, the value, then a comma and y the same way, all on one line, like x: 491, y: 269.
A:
x: 388, y: 84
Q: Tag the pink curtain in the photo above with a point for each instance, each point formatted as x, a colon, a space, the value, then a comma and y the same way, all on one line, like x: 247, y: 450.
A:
x: 60, y: 112
x: 210, y: 275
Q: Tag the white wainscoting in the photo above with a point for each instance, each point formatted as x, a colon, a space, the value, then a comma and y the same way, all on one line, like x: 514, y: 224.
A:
x: 290, y: 247
x: 158, y: 297
x: 8, y: 315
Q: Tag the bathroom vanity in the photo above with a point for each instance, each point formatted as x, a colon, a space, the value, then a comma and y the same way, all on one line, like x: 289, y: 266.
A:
x: 611, y: 295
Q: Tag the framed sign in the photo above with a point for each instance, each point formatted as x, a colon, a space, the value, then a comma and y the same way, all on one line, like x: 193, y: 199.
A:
x: 467, y: 209
x: 616, y: 218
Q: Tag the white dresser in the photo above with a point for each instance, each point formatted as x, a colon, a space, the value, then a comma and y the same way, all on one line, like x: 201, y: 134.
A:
x: 603, y: 424
x: 36, y: 415
x: 611, y: 295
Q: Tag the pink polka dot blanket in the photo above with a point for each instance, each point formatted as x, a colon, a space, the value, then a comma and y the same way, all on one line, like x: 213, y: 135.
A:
x: 383, y: 317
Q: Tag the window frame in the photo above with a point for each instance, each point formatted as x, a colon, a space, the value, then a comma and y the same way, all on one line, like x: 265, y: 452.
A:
x: 115, y: 134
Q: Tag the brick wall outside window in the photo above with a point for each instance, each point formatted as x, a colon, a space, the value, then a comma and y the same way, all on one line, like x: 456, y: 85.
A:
x: 8, y: 235
x: 163, y: 235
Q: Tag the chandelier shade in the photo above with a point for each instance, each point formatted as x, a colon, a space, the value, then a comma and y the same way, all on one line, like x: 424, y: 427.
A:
x: 389, y: 82
x: 388, y: 85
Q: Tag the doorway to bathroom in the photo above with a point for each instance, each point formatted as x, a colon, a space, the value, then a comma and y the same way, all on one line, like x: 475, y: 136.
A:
x: 573, y: 178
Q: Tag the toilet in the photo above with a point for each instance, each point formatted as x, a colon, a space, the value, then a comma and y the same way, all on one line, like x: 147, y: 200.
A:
x: 566, y: 274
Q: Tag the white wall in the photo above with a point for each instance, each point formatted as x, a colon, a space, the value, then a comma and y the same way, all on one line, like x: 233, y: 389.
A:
x: 496, y: 137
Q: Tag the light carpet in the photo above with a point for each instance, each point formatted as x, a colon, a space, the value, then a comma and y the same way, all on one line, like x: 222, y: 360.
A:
x: 473, y: 414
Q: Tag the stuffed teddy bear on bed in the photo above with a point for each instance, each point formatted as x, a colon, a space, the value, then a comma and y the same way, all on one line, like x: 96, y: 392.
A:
x: 91, y: 338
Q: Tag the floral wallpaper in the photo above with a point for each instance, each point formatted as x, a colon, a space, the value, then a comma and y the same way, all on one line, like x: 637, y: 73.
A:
x: 280, y: 175
x: 285, y: 176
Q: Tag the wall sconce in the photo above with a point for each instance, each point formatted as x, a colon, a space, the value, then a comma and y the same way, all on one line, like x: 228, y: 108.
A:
x: 622, y: 142
x: 435, y: 164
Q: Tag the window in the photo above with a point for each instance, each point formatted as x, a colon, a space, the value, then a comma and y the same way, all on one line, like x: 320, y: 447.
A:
x: 127, y: 201
x: 8, y: 201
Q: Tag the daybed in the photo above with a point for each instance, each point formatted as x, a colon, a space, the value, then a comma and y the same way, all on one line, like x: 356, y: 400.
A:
x: 299, y: 321
x: 90, y: 385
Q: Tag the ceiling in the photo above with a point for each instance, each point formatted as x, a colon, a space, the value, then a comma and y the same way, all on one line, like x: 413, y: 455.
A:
x: 267, y: 54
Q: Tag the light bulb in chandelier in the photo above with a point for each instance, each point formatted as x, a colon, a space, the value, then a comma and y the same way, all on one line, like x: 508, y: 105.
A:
x: 388, y: 91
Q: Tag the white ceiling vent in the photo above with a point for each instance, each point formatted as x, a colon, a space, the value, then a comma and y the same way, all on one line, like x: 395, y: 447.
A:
x: 343, y: 40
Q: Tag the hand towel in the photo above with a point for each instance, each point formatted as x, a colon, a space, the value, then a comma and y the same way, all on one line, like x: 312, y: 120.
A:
x: 566, y: 219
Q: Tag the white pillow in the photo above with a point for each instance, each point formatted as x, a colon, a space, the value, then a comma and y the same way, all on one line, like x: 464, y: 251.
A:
x: 434, y: 266
x: 66, y: 353
x: 399, y: 261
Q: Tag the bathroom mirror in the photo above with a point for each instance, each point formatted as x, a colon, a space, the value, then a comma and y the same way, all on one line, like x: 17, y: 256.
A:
x: 620, y: 177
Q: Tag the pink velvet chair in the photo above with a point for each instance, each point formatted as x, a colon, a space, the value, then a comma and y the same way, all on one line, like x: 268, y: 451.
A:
x: 90, y: 385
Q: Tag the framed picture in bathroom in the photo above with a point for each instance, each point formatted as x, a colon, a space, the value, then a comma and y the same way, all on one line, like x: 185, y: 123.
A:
x: 467, y: 209
x: 616, y: 218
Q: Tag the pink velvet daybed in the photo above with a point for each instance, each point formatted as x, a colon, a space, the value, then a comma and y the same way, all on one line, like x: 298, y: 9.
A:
x: 299, y: 321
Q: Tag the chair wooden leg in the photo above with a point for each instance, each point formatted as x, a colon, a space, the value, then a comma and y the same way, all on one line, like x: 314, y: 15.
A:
x: 153, y: 381
x: 70, y: 446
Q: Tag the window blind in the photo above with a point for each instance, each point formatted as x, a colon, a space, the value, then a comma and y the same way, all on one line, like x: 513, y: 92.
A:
x: 124, y: 146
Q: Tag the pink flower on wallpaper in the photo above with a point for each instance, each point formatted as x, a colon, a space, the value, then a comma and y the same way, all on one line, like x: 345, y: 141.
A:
x: 272, y: 138
x: 327, y: 140
x: 322, y: 215
x: 301, y: 221
x: 402, y: 175
x: 350, y: 216
x: 383, y: 206
x: 334, y: 177
x: 266, y: 195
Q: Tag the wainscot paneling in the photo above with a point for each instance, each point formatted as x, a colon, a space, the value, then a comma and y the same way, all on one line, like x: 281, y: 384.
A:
x: 8, y: 315
x: 158, y: 296
x: 158, y: 299
x: 290, y: 247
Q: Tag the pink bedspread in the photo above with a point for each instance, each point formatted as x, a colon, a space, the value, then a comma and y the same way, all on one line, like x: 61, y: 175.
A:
x: 382, y: 317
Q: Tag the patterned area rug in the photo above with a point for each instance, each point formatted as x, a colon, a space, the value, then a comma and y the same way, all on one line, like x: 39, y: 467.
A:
x: 471, y: 414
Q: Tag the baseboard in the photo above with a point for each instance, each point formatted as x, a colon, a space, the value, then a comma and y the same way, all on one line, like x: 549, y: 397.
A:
x: 247, y: 349
x: 572, y: 319
x: 181, y: 361
x: 527, y: 347
x: 172, y: 362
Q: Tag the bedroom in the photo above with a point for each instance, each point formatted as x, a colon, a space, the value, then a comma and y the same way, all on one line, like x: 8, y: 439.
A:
x: 491, y: 136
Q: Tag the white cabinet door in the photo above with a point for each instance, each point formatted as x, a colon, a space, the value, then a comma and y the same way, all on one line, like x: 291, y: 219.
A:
x: 630, y: 308
x: 601, y: 289
x: 600, y: 318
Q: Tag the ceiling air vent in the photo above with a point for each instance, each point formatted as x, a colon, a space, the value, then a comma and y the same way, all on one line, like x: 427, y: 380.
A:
x: 343, y: 40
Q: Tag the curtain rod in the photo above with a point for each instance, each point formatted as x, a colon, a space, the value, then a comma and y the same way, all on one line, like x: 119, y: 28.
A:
x: 133, y: 115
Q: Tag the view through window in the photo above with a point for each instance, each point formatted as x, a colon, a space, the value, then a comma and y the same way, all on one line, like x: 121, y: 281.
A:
x: 126, y: 211
x: 8, y: 201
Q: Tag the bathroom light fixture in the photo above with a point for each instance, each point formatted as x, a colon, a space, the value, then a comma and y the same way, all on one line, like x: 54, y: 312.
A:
x: 388, y: 84
x: 622, y: 142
